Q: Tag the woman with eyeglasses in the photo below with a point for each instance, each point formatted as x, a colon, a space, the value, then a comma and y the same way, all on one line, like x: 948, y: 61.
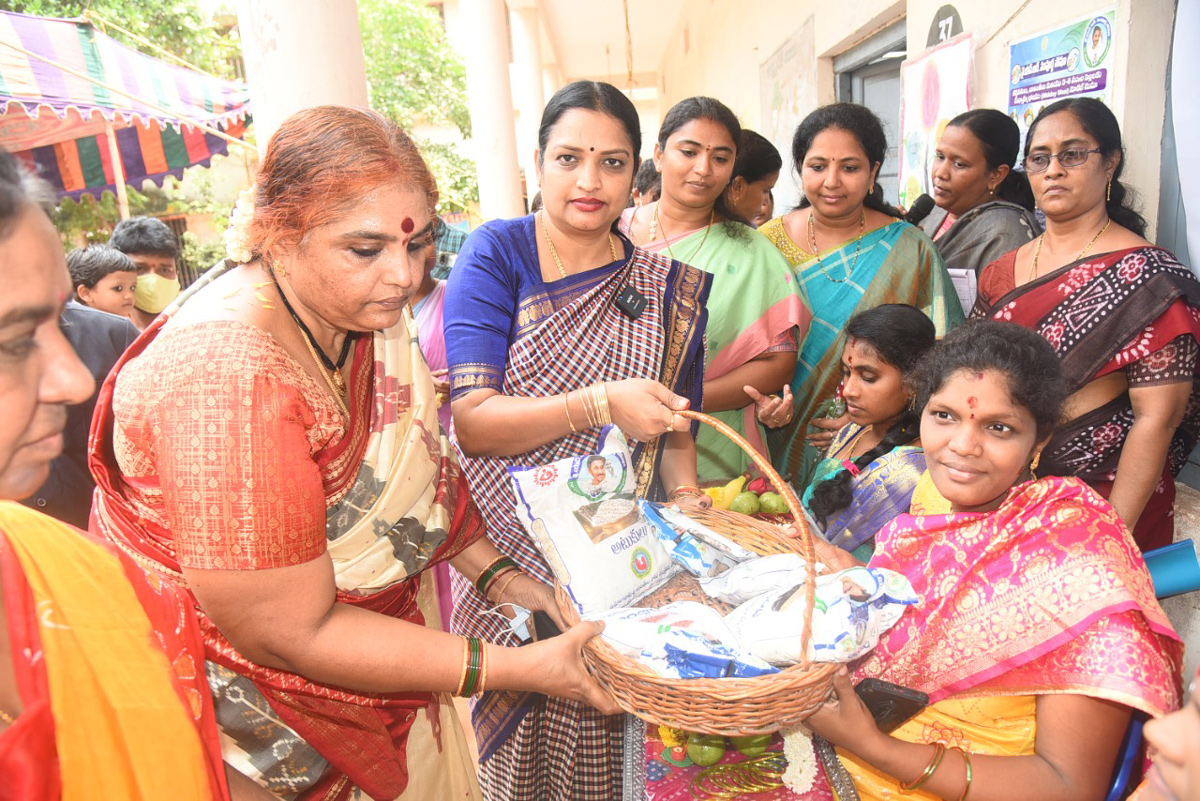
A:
x: 1123, y: 315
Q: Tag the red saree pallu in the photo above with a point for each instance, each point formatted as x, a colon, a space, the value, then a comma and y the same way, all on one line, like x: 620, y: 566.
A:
x: 212, y: 449
x: 1134, y: 310
x: 1046, y: 594
x: 567, y: 335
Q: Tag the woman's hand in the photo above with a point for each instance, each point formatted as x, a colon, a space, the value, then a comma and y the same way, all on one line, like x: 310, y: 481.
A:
x: 692, y: 503
x: 844, y: 719
x: 645, y: 409
x: 563, y: 672
x: 441, y: 385
x: 773, y: 411
x: 528, y: 592
x: 826, y: 428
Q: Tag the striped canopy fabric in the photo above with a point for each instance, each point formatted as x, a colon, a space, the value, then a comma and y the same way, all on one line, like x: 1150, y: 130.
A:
x: 56, y: 122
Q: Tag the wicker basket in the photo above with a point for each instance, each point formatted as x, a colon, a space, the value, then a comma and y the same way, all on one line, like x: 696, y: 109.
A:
x: 730, y: 706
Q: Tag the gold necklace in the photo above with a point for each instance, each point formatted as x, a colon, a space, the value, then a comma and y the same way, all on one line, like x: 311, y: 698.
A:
x: 854, y: 442
x: 612, y: 249
x: 1037, y: 250
x: 6, y: 718
x: 655, y: 225
x: 812, y: 242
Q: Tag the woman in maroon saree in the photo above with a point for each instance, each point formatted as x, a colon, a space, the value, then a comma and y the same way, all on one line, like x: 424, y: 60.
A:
x: 1123, y: 315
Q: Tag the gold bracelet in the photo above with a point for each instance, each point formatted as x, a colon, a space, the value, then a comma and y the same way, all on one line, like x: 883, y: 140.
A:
x: 966, y: 758
x: 939, y: 751
x: 504, y: 586
x: 462, y: 679
x: 567, y: 409
x: 602, y: 391
x: 588, y: 407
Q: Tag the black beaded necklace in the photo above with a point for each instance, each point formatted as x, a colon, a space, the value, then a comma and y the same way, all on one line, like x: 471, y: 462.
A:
x: 335, y: 370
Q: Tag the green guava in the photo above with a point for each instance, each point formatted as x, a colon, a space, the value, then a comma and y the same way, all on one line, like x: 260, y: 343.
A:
x: 745, y: 503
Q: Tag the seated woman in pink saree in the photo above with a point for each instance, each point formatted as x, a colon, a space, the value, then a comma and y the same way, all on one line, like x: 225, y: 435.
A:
x: 1038, y: 632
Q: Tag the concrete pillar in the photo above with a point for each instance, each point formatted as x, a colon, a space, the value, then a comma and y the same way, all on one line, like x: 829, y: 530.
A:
x: 489, y: 96
x: 300, y: 53
x: 527, y: 84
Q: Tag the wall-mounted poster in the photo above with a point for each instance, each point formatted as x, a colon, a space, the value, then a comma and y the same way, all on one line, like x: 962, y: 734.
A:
x: 935, y: 88
x: 788, y: 93
x: 1075, y: 60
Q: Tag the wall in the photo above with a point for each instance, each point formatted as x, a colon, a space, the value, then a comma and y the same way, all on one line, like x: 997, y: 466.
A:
x: 1139, y: 85
x: 725, y: 47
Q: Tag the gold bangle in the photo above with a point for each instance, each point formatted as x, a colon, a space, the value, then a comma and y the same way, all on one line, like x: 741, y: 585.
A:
x: 504, y: 586
x: 602, y: 392
x: 966, y: 758
x: 939, y: 751
x: 567, y: 409
x: 589, y: 406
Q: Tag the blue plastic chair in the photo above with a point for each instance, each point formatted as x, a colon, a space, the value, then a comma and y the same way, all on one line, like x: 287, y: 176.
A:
x: 1173, y: 570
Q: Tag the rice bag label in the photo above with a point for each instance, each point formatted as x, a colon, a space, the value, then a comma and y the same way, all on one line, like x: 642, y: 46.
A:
x: 583, y: 516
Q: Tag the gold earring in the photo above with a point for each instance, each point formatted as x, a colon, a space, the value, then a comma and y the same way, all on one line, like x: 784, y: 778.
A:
x: 1108, y: 194
x: 991, y: 190
x: 1037, y: 458
x: 278, y: 269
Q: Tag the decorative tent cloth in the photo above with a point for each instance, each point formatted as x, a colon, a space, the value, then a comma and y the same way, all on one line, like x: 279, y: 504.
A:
x: 59, y: 123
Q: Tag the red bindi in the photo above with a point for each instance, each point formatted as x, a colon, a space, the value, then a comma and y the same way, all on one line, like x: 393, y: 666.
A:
x: 972, y: 401
x: 972, y: 416
x: 979, y: 376
x: 408, y: 225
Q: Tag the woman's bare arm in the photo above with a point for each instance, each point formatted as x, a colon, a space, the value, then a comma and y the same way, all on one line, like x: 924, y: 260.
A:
x: 767, y: 373
x: 288, y: 618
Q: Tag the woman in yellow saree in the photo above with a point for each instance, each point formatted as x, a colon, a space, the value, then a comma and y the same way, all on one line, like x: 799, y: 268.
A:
x: 1038, y: 631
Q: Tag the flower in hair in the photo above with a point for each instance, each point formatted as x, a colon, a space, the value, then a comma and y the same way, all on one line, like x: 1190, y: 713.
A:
x: 237, y: 235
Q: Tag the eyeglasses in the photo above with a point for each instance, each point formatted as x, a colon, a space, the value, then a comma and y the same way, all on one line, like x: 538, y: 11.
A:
x: 1071, y: 157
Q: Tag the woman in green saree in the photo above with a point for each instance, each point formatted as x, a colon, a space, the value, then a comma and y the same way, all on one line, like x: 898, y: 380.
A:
x: 849, y: 252
x: 757, y: 316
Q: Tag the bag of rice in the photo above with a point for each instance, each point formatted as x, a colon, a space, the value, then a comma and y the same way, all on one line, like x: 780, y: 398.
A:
x: 851, y: 610
x: 582, y: 515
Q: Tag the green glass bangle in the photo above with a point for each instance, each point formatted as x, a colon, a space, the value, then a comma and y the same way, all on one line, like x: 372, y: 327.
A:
x: 491, y: 571
x: 474, y: 660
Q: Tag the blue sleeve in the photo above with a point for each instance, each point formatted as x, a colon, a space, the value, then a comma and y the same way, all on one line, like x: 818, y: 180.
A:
x: 481, y: 302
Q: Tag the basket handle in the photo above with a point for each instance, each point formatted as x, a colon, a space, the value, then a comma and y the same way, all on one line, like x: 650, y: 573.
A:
x: 793, y: 504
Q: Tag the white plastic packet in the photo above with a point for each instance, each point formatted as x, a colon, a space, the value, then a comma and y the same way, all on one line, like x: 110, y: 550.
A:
x: 852, y: 609
x: 682, y: 640
x: 630, y: 630
x: 755, y: 577
x: 582, y: 515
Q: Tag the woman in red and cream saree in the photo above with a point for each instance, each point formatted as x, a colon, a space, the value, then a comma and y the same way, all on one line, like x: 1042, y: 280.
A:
x: 193, y: 406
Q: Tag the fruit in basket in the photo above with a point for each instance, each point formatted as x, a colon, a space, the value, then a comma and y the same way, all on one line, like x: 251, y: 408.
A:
x: 772, y: 503
x: 705, y: 749
x: 759, y: 485
x: 745, y: 503
x: 753, y: 744
x: 725, y: 495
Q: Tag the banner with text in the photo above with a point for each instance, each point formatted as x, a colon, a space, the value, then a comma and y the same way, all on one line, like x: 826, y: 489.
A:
x: 1075, y: 60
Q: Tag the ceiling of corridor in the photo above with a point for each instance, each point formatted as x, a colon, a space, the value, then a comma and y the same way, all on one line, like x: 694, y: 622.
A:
x: 588, y: 38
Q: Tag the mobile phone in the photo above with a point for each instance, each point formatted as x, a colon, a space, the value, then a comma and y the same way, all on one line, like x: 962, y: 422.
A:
x: 544, y: 626
x: 890, y: 704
